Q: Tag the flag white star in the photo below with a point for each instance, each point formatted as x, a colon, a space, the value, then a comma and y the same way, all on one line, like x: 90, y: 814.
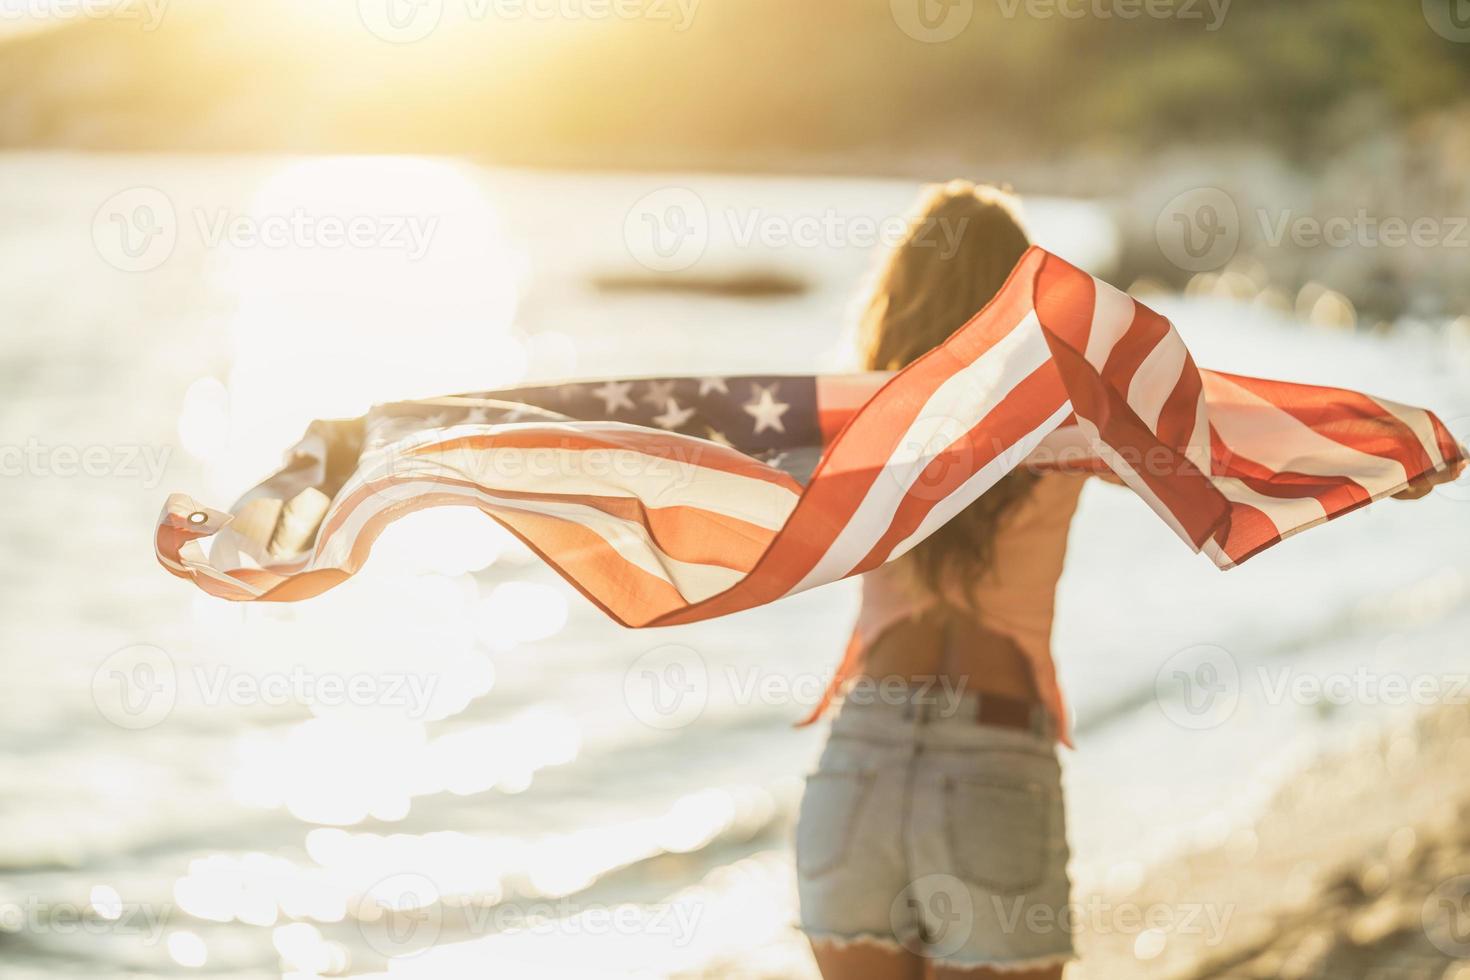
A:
x: 614, y: 395
x: 477, y: 416
x: 658, y: 393
x: 707, y: 385
x: 715, y: 435
x: 673, y: 416
x: 766, y: 411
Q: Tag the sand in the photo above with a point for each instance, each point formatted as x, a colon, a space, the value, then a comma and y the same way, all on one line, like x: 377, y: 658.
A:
x: 1354, y: 871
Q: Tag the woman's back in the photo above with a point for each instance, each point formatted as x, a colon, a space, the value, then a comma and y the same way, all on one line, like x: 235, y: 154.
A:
x: 992, y: 634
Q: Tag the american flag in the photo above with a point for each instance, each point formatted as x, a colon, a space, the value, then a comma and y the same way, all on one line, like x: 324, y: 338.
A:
x: 670, y: 500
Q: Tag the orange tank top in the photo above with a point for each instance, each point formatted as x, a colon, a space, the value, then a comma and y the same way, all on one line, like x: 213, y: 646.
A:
x: 1015, y: 597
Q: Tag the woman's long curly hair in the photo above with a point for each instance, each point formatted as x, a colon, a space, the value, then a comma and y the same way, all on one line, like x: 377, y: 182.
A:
x: 963, y: 241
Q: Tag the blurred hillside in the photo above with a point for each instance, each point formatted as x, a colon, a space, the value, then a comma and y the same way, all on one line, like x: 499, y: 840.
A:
x: 733, y: 85
x: 1319, y: 112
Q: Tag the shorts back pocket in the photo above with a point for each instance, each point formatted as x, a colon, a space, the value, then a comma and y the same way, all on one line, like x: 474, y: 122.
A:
x: 828, y: 818
x: 998, y: 832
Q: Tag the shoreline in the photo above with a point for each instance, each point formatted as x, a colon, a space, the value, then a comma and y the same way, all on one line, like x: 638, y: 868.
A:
x: 1350, y: 871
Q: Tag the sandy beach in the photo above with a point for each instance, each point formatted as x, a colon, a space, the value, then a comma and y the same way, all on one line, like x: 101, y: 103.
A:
x: 1356, y: 870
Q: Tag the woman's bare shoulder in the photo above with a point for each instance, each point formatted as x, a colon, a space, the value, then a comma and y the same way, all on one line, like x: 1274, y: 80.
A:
x: 1053, y: 498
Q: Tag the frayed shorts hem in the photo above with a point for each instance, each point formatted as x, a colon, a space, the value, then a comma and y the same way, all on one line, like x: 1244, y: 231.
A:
x: 1009, y: 966
x: 841, y: 940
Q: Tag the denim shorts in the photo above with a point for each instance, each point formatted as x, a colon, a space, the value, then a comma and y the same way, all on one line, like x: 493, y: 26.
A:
x: 926, y: 830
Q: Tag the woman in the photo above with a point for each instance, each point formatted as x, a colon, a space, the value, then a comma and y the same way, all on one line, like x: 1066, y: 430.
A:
x: 931, y: 840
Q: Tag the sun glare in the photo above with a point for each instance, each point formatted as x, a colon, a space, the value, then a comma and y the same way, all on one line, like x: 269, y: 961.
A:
x: 355, y: 281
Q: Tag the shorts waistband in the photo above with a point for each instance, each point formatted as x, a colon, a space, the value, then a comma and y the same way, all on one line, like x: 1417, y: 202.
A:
x: 930, y: 706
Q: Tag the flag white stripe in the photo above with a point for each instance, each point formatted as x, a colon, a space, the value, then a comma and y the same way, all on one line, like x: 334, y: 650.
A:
x: 1112, y: 314
x: 613, y: 472
x: 1198, y: 451
x: 1284, y: 512
x: 1156, y: 379
x: 193, y: 555
x: 1265, y: 434
x: 629, y: 539
x: 634, y: 475
x: 956, y: 407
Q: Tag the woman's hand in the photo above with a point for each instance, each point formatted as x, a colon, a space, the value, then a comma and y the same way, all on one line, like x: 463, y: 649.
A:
x: 1424, y: 484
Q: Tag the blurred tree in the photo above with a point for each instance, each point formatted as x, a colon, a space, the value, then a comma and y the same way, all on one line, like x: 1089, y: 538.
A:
x: 750, y: 84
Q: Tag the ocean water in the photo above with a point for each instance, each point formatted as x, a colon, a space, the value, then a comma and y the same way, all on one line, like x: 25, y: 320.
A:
x: 454, y: 765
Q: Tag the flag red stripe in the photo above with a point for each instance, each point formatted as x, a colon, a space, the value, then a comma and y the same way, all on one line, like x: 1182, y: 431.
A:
x: 682, y: 450
x: 1186, y: 492
x: 1334, y: 493
x: 997, y: 431
x: 1136, y: 344
x: 1177, y: 420
x: 684, y: 533
x: 1346, y: 417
